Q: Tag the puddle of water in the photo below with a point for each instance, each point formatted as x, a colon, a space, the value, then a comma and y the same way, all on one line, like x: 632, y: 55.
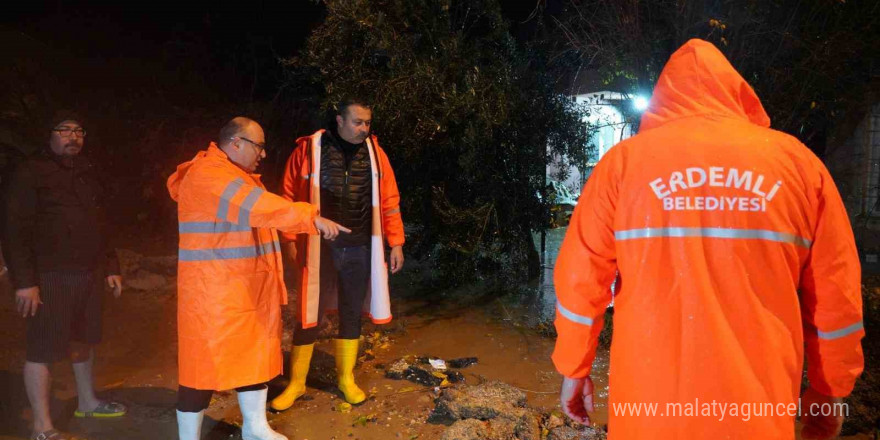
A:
x: 538, y: 298
x: 540, y: 295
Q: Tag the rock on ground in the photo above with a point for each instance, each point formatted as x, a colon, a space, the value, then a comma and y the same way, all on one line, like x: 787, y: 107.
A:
x: 490, y: 411
x: 517, y: 424
x: 470, y: 429
x: 497, y: 411
x: 485, y: 401
x: 569, y: 433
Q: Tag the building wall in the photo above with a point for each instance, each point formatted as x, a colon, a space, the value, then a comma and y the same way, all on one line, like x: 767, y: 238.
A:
x: 610, y: 128
x: 855, y: 166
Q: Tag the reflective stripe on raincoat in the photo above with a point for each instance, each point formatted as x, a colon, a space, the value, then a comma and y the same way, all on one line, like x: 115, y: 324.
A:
x: 302, y: 184
x: 733, y: 250
x: 230, y: 284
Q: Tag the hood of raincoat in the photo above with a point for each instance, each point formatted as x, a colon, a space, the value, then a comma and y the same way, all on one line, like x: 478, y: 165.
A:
x: 698, y: 80
x: 175, y: 179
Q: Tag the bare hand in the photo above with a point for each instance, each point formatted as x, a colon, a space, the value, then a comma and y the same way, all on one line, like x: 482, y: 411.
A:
x: 115, y: 282
x: 820, y: 427
x: 576, y: 398
x: 27, y: 300
x: 396, y: 259
x: 328, y: 228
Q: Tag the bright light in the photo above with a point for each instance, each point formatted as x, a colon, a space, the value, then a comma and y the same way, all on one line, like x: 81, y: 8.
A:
x: 640, y: 103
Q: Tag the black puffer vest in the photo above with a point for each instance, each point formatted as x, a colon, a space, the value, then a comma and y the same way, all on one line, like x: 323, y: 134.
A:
x: 346, y: 191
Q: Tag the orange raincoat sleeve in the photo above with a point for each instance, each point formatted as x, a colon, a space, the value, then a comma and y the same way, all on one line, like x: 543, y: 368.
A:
x: 585, y: 269
x: 392, y: 221
x: 831, y: 298
x: 230, y: 199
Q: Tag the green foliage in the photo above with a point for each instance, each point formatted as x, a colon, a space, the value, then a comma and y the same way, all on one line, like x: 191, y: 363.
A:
x: 466, y: 116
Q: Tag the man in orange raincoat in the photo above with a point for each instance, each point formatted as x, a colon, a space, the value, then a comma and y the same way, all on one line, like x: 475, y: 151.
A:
x: 735, y: 256
x: 343, y: 172
x: 230, y: 285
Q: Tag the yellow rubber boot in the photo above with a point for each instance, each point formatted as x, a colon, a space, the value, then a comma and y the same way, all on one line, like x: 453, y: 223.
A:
x: 300, y: 357
x: 346, y: 357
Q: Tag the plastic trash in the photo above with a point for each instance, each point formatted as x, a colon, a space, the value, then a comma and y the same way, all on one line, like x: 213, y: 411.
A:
x: 437, y: 364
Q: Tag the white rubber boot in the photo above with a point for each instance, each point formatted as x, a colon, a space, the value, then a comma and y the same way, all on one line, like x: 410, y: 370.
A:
x: 189, y: 425
x: 253, y: 410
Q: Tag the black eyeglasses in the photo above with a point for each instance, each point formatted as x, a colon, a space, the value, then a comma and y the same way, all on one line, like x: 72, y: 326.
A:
x: 260, y: 147
x: 67, y: 131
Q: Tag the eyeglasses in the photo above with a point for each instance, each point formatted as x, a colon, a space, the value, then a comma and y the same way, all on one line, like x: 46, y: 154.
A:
x: 260, y: 147
x: 67, y: 131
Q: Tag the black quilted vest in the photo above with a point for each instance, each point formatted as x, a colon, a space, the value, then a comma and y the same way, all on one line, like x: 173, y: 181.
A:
x: 346, y: 190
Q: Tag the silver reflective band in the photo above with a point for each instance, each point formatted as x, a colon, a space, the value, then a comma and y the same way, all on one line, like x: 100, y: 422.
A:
x: 228, y: 194
x: 758, y: 234
x: 210, y: 227
x: 244, y: 211
x: 842, y: 332
x: 227, y: 253
x: 572, y: 316
x: 392, y: 211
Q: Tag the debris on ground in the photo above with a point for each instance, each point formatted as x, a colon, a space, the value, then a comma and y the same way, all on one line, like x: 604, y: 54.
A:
x: 576, y: 433
x: 470, y: 429
x: 363, y: 420
x: 451, y: 363
x: 483, y: 402
x: 376, y: 341
x: 397, y: 369
x: 424, y: 377
x: 462, y: 362
x: 439, y: 374
x: 455, y: 376
x: 520, y: 424
x: 497, y: 411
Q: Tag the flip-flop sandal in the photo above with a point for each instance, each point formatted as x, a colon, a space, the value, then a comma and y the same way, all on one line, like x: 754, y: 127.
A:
x: 54, y: 434
x: 104, y: 410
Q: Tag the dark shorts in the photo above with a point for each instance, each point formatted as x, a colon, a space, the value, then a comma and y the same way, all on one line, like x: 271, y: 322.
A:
x: 71, y: 311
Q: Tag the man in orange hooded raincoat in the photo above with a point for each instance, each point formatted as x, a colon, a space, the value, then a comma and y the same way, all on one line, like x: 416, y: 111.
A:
x: 735, y: 256
x: 230, y: 284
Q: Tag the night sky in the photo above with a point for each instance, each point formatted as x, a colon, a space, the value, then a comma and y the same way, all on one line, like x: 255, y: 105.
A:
x: 146, y: 32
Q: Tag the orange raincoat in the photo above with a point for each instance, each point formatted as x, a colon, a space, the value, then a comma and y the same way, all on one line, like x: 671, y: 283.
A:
x: 733, y: 250
x: 302, y: 184
x: 230, y: 284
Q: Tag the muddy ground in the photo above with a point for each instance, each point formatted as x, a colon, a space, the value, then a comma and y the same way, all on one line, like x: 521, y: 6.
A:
x: 136, y: 364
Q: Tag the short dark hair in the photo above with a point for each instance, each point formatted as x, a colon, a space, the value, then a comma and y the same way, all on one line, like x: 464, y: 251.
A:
x: 231, y: 129
x: 348, y: 101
